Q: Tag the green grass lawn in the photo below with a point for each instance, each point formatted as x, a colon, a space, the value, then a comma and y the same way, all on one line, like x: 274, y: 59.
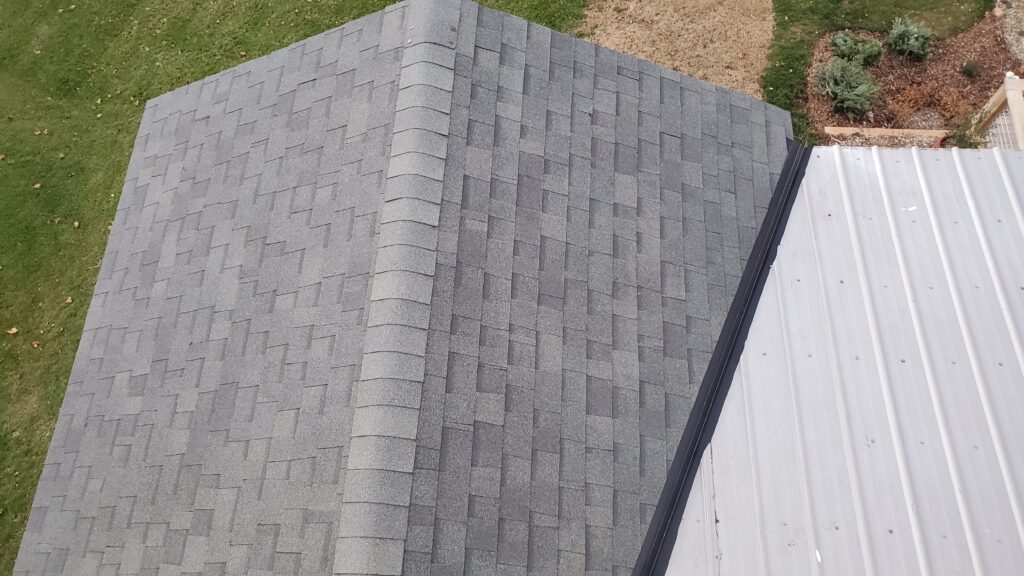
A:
x: 74, y: 76
x: 799, y: 23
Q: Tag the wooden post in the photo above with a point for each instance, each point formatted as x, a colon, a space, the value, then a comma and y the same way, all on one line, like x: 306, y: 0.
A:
x: 992, y: 108
x: 1015, y: 101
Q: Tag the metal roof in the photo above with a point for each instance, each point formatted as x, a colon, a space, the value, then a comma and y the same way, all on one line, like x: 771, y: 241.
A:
x: 430, y: 293
x: 872, y: 420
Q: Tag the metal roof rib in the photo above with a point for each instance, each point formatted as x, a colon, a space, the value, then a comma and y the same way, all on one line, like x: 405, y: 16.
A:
x: 878, y: 381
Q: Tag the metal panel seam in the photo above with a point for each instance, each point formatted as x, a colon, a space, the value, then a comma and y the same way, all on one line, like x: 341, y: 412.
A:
x: 801, y: 447
x: 1010, y: 325
x: 927, y: 363
x: 883, y: 373
x: 842, y: 402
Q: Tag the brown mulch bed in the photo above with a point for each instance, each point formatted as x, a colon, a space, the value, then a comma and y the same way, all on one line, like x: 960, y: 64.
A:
x: 926, y: 95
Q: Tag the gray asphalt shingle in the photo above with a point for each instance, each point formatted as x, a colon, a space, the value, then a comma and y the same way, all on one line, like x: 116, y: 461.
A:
x: 434, y: 298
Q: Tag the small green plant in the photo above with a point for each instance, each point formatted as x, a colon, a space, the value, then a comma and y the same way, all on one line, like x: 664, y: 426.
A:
x: 850, y: 87
x: 910, y: 40
x: 858, y: 49
x: 971, y: 69
x: 965, y: 133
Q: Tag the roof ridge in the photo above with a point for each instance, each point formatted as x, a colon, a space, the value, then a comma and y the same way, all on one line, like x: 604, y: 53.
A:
x: 382, y: 449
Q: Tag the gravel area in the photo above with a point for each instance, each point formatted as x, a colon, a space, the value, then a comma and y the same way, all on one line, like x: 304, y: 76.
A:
x: 882, y: 141
x: 1012, y: 12
x: 725, y: 43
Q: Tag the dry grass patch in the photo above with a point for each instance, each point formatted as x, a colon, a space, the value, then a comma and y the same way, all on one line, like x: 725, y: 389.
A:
x: 725, y: 43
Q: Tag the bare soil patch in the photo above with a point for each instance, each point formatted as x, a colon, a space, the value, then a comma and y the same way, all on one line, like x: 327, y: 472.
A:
x: 725, y: 43
x: 933, y: 94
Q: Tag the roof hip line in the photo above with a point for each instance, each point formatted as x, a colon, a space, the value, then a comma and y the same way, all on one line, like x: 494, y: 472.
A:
x: 385, y: 424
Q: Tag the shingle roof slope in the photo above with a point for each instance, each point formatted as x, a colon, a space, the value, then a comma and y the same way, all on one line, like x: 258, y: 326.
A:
x: 429, y: 293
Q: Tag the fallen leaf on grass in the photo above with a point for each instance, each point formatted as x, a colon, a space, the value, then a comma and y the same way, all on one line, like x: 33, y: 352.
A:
x: 3, y: 157
x: 56, y: 220
x: 243, y: 53
x: 12, y: 330
x: 60, y: 156
x: 68, y: 300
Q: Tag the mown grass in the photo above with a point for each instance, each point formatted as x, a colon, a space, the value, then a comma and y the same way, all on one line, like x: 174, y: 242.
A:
x: 799, y: 23
x: 78, y: 72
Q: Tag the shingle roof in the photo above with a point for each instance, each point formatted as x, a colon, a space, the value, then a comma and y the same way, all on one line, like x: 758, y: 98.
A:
x: 429, y: 293
x: 871, y: 420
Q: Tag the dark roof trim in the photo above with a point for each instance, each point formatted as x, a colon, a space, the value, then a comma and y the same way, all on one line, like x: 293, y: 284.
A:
x: 661, y: 536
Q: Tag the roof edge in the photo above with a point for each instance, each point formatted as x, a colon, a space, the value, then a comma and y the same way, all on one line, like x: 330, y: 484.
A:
x: 700, y: 426
x: 385, y: 418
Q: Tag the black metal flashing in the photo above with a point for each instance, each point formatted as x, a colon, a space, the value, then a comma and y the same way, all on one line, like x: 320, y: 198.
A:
x: 664, y: 528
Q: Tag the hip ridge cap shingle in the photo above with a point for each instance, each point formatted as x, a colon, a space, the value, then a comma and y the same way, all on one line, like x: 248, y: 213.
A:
x: 384, y: 429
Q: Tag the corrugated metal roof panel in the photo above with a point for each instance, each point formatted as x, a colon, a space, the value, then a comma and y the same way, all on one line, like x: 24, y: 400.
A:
x: 871, y: 422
